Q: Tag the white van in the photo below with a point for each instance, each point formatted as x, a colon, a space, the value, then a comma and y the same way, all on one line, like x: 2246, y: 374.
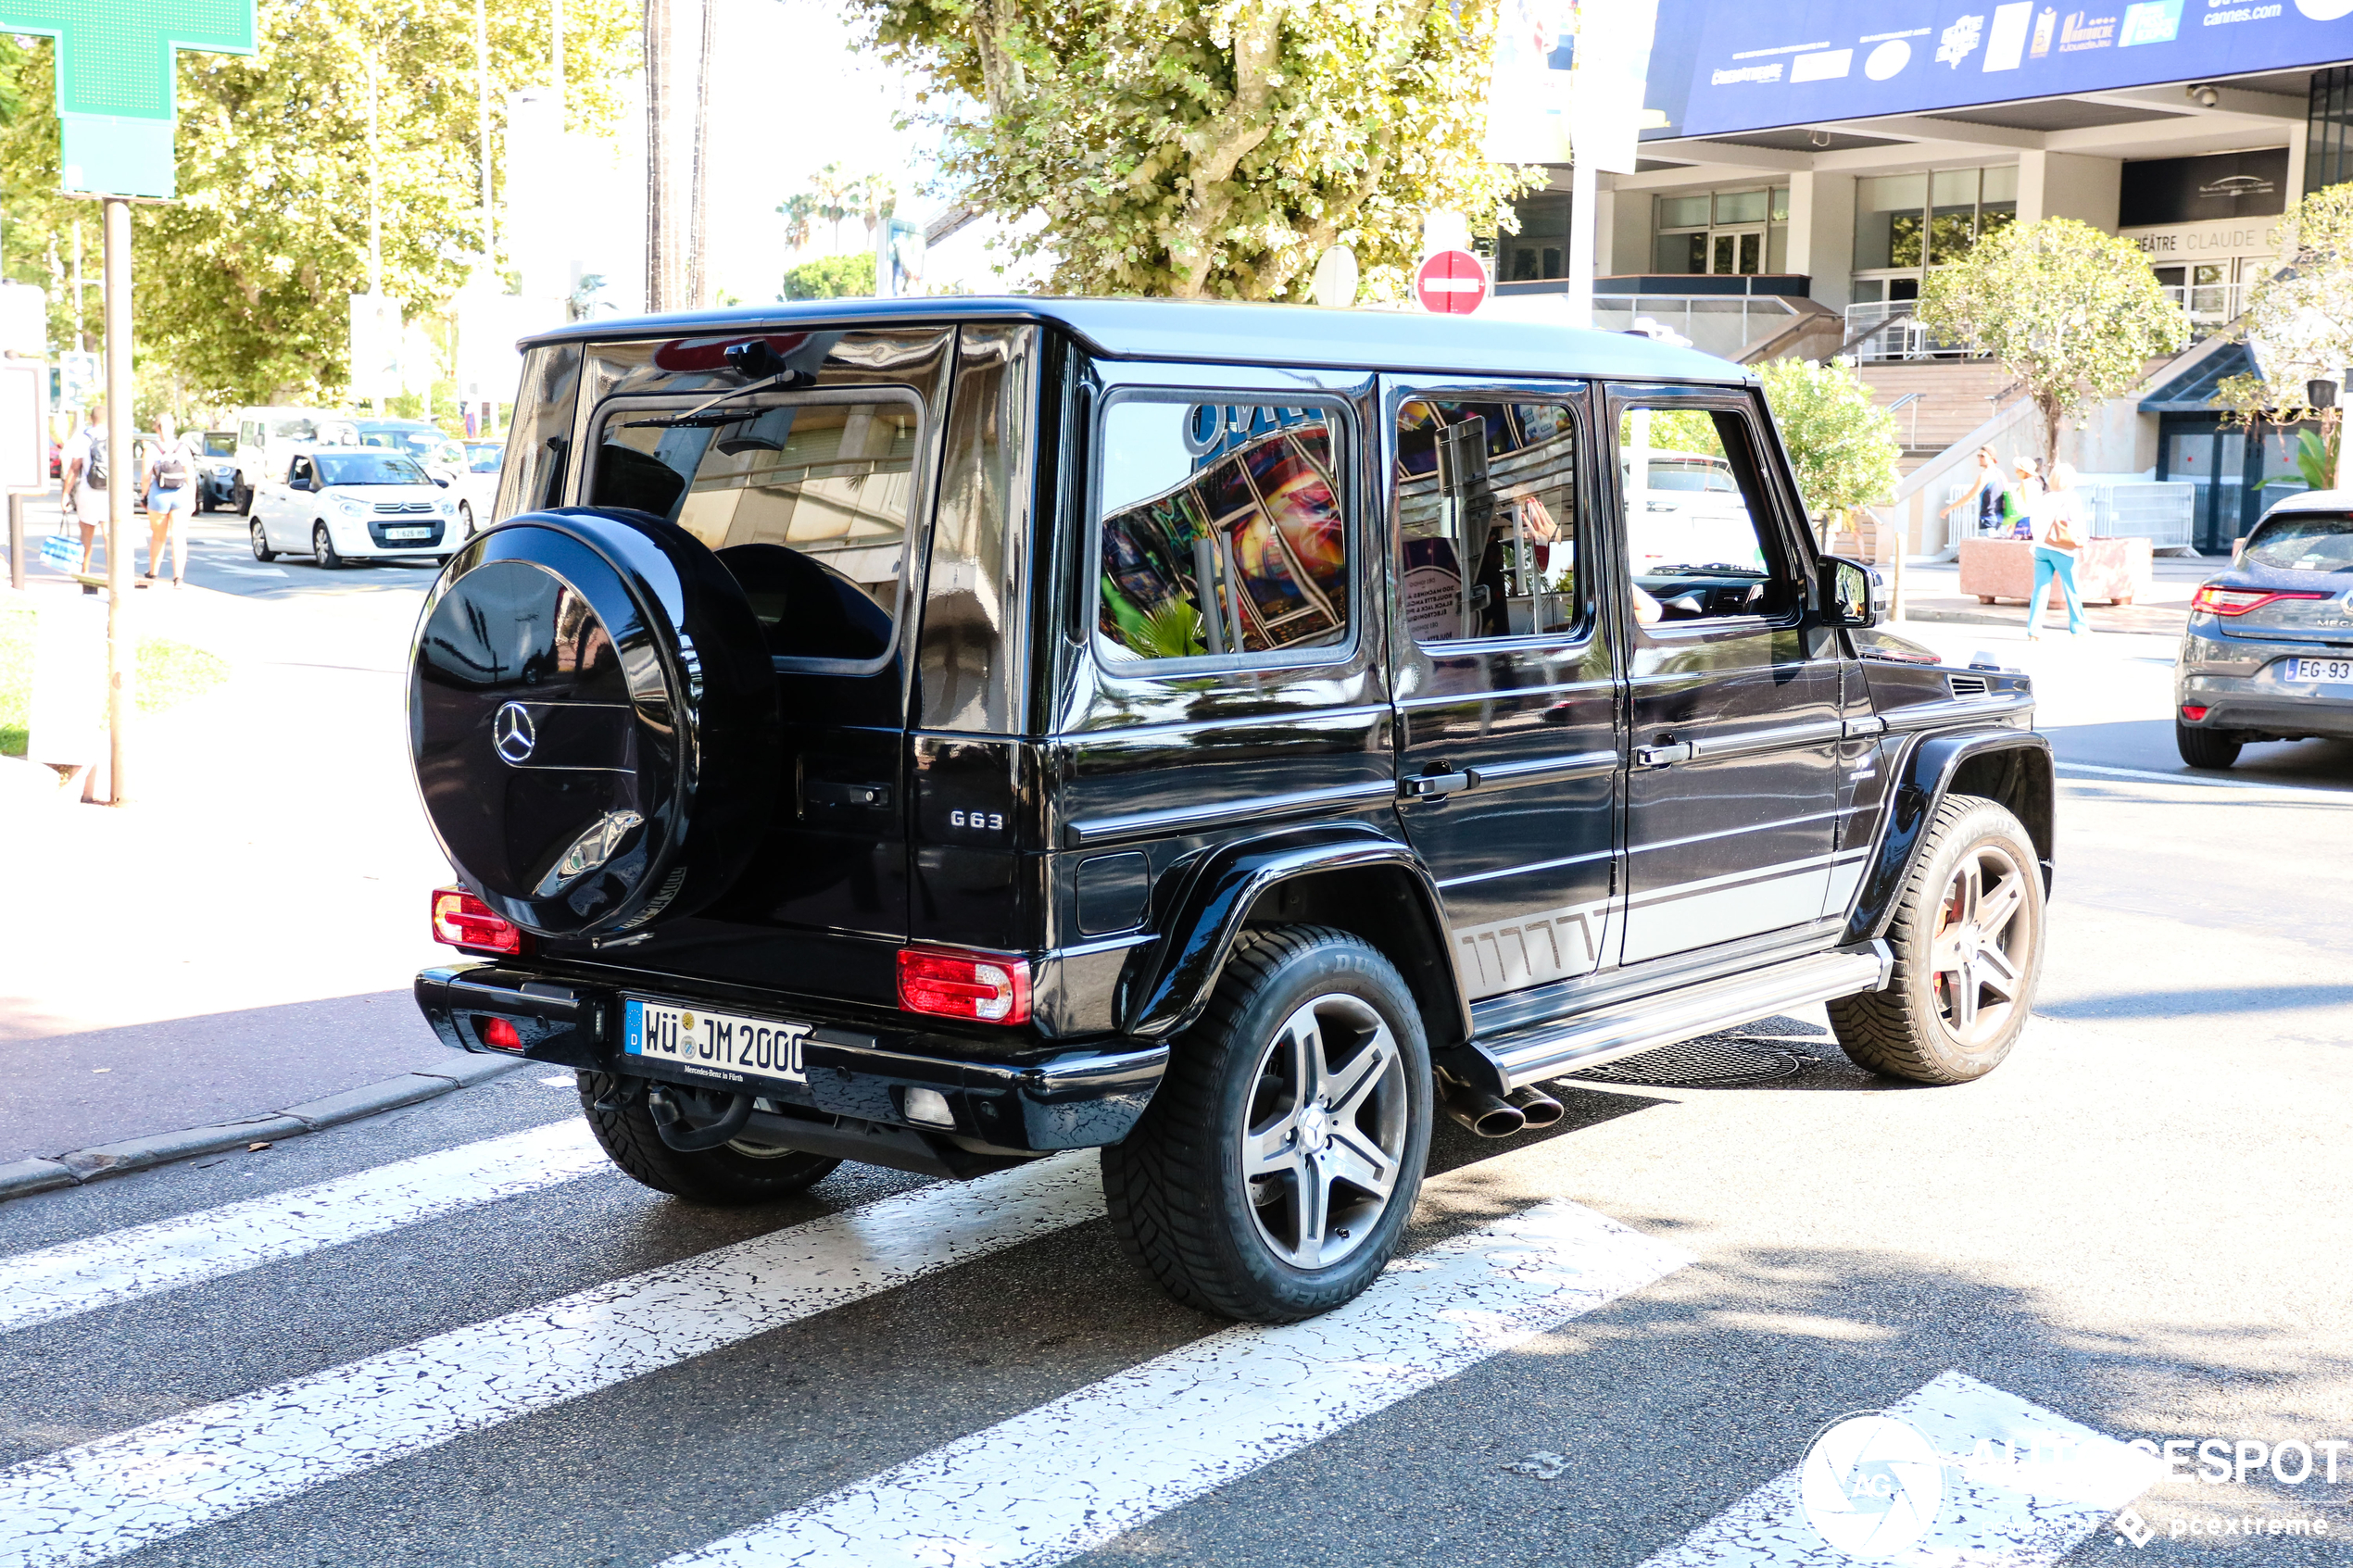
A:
x: 267, y: 439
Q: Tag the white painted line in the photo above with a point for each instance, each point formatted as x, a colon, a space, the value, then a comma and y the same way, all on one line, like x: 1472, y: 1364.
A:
x: 246, y: 571
x: 76, y: 1276
x: 2021, y: 1487
x: 1071, y: 1474
x: 2335, y: 798
x: 105, y: 1499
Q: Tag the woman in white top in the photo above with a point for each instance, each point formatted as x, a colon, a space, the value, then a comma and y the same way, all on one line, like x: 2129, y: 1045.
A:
x: 2056, y: 518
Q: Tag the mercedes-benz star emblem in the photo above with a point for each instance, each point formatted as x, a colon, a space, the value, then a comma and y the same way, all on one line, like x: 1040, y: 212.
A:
x: 512, y: 733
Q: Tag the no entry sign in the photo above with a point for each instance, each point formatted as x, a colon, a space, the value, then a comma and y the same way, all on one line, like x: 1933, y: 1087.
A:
x: 1450, y: 282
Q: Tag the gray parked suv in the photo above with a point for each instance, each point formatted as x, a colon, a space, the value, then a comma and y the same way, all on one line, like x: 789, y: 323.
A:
x: 2268, y: 654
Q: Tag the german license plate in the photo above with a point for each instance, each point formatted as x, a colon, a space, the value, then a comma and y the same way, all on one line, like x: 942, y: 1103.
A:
x: 2320, y: 668
x: 719, y: 1044
x: 408, y: 532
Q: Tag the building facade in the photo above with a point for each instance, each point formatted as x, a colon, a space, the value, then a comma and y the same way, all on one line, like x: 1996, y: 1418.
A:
x: 1842, y: 150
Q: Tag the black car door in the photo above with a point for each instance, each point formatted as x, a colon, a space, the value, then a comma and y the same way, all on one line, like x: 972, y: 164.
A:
x: 1509, y: 755
x: 1733, y: 690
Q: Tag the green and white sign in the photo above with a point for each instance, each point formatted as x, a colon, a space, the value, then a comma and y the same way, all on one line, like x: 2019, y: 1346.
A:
x: 115, y: 103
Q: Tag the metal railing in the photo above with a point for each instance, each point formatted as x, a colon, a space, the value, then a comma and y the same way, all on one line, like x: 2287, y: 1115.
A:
x: 1723, y: 325
x: 1909, y: 400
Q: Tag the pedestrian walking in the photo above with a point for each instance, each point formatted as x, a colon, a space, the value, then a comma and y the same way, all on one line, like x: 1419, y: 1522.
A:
x: 2057, y: 518
x: 171, y: 495
x: 83, y: 461
x: 2026, y: 488
x: 1987, y: 499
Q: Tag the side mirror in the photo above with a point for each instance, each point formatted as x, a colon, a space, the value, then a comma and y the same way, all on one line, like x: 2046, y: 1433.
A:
x: 1851, y: 593
x: 442, y: 480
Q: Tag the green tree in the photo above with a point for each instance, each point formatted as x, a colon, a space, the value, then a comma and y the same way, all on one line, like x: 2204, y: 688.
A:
x: 1843, y: 445
x: 832, y: 277
x: 1217, y: 148
x: 2299, y: 322
x: 2074, y: 313
x: 239, y: 283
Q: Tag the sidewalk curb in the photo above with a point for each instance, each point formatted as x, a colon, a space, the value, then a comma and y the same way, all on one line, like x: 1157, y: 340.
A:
x: 81, y: 1165
x: 1986, y: 618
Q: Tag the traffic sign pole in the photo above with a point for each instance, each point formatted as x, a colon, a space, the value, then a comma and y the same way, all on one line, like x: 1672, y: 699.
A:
x: 122, y: 476
x: 1583, y: 192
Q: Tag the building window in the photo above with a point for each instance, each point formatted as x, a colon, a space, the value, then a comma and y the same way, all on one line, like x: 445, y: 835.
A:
x: 2328, y: 148
x: 1541, y: 248
x: 1732, y: 232
x: 1912, y: 221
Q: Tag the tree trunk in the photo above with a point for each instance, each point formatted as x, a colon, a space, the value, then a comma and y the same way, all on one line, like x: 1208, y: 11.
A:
x: 699, y: 278
x: 666, y: 239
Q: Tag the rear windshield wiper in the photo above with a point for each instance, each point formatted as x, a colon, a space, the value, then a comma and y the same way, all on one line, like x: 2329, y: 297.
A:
x: 748, y: 359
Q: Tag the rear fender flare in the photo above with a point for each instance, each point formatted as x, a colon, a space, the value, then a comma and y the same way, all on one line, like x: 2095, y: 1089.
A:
x: 1170, y: 982
x: 1924, y: 778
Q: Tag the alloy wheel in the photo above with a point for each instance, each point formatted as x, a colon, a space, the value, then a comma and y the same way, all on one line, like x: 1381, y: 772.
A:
x: 1983, y: 948
x: 1326, y: 1134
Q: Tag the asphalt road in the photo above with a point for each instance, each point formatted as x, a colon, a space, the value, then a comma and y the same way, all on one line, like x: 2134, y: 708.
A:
x: 1608, y: 1344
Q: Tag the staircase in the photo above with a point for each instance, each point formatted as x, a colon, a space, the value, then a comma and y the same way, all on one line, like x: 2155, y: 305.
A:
x: 1948, y: 398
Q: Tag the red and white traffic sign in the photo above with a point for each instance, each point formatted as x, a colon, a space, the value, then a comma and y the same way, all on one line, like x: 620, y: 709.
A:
x: 1450, y: 282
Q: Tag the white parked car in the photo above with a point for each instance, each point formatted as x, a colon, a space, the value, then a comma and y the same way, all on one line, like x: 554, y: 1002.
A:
x: 348, y: 503
x: 1689, y: 514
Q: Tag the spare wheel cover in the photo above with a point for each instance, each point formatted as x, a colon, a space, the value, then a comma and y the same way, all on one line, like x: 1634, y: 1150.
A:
x: 591, y: 716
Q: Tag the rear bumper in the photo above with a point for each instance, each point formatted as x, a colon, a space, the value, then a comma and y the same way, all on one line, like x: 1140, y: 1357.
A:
x: 2262, y: 707
x: 1031, y: 1099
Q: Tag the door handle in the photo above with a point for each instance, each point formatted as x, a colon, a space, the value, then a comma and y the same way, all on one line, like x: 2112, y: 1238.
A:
x: 1431, y: 786
x: 1662, y: 755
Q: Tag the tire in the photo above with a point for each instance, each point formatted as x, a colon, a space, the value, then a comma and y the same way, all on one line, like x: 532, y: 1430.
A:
x: 241, y: 499
x: 2205, y: 749
x: 465, y: 521
x: 322, y: 548
x: 1178, y: 1190
x: 1932, y: 1022
x: 261, y: 550
x: 734, y: 1175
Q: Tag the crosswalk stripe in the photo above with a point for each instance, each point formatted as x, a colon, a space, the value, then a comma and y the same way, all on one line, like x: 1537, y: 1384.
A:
x: 76, y: 1276
x: 2029, y: 1496
x: 99, y: 1500
x: 1070, y: 1476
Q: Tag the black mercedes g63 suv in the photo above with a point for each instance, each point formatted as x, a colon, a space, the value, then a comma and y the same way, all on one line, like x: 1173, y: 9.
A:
x: 935, y: 733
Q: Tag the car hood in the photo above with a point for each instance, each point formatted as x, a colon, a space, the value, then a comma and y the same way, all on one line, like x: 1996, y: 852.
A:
x: 383, y: 491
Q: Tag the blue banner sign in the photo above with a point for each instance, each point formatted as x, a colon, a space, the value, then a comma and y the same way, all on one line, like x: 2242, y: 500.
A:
x: 1735, y: 68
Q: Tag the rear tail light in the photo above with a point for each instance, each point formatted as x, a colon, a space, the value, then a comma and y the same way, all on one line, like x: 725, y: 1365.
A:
x: 944, y: 982
x: 2195, y: 715
x: 467, y: 923
x: 2238, y: 601
x: 501, y: 1036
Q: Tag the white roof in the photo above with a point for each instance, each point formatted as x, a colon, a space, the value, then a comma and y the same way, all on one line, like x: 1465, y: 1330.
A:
x: 2314, y: 501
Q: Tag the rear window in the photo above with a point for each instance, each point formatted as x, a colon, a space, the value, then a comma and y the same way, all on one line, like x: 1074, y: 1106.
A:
x: 798, y: 495
x: 219, y: 443
x: 2303, y: 542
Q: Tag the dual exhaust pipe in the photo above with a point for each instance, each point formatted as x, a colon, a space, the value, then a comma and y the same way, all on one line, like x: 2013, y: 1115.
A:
x: 1499, y: 1116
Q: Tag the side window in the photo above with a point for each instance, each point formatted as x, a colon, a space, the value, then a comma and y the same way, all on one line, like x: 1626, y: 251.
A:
x: 806, y: 500
x: 1487, y: 511
x: 1222, y: 531
x: 298, y: 474
x: 1697, y: 536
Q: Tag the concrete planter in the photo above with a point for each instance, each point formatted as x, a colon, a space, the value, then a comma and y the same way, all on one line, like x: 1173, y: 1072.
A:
x: 2106, y: 571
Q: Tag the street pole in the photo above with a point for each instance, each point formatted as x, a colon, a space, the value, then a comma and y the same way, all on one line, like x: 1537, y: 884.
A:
x: 121, y: 477
x: 481, y: 92
x: 1583, y: 193
x: 15, y: 540
x: 81, y: 333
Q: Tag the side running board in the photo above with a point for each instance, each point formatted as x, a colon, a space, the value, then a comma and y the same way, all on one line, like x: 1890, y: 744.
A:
x: 1549, y: 1050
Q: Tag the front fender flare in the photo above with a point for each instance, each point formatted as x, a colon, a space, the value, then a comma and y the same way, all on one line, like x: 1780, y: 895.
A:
x: 1925, y: 777
x: 1171, y: 981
